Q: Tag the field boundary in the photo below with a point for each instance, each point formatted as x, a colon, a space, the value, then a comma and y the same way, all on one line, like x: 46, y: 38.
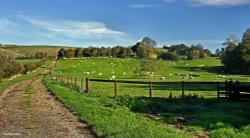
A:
x: 85, y: 87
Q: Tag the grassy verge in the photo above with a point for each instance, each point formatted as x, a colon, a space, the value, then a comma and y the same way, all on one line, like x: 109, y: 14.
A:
x: 109, y: 119
x: 126, y: 116
x: 200, y: 116
x: 7, y: 83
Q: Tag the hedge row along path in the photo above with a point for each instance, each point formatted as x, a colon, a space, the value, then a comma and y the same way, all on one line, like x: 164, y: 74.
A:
x: 27, y: 109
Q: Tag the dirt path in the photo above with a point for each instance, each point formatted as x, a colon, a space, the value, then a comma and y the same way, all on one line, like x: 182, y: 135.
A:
x: 28, y: 110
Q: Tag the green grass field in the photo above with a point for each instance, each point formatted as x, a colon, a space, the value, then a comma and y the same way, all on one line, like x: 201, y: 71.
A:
x: 103, y: 68
x: 209, y: 69
x: 25, y: 61
x: 143, y: 117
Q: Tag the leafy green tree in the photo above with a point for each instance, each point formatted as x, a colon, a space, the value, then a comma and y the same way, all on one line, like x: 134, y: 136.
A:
x: 86, y: 52
x: 245, y: 51
x: 61, y: 53
x: 146, y: 41
x: 169, y: 56
x: 78, y: 52
x: 70, y: 53
x: 236, y: 58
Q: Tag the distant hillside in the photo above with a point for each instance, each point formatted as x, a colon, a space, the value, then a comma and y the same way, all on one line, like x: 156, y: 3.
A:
x: 10, y: 53
x: 29, y: 51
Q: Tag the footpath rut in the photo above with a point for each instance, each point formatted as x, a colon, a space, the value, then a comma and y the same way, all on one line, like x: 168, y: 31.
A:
x: 27, y: 109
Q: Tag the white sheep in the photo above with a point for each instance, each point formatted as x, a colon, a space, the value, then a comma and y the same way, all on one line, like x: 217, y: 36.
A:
x: 99, y: 74
x: 86, y: 72
x: 162, y: 78
x: 124, y: 73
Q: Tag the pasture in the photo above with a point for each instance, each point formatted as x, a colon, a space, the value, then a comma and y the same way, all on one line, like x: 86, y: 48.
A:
x: 209, y: 69
x: 25, y: 61
x: 125, y: 116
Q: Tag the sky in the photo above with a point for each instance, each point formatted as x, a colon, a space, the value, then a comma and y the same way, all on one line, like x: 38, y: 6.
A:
x: 99, y: 23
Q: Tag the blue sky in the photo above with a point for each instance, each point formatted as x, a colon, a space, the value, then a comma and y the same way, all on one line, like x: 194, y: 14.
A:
x: 122, y: 22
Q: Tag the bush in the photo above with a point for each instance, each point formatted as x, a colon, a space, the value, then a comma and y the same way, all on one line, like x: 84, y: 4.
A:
x: 9, y: 67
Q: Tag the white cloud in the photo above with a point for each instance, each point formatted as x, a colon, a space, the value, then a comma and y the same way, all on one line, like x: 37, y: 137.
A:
x: 22, y: 29
x: 218, y: 2
x: 74, y: 29
x: 143, y: 5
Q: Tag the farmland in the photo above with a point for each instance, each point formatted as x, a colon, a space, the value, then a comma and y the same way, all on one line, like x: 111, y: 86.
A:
x: 209, y: 69
x: 198, y: 114
x: 126, y: 116
x: 123, y: 69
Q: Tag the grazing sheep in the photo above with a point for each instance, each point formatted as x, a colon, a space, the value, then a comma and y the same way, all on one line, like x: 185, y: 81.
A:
x: 162, y: 78
x: 124, y: 73
x: 112, y: 77
x: 170, y: 74
x: 86, y: 72
x: 99, y: 74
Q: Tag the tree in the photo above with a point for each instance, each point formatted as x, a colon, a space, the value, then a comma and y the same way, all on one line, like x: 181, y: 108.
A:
x: 236, y: 58
x: 217, y: 52
x: 169, y: 56
x: 146, y: 41
x: 86, y: 52
x: 245, y: 51
x: 70, y: 53
x: 180, y: 49
x: 61, y: 54
x: 78, y: 52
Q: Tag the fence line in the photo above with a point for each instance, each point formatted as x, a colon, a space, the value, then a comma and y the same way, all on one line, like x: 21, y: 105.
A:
x: 72, y: 83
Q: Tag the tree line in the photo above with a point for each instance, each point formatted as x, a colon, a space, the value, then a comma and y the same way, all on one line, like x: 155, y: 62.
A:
x: 236, y: 55
x: 146, y: 48
x: 182, y: 51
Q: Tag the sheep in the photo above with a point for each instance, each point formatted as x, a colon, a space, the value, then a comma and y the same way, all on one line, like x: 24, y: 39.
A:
x: 112, y: 77
x: 124, y: 73
x: 99, y: 74
x: 162, y: 78
x: 170, y: 74
x: 86, y: 72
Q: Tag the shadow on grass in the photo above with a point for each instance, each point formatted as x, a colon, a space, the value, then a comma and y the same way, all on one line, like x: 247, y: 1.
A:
x: 178, y: 87
x: 192, y: 111
x: 213, y: 69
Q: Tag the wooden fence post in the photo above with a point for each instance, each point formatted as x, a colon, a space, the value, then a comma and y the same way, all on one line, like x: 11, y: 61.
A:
x: 67, y: 80
x: 218, y: 91
x: 76, y: 83
x: 82, y: 85
x: 182, y: 88
x: 150, y: 89
x: 115, y: 87
x: 87, y: 85
x: 227, y: 89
